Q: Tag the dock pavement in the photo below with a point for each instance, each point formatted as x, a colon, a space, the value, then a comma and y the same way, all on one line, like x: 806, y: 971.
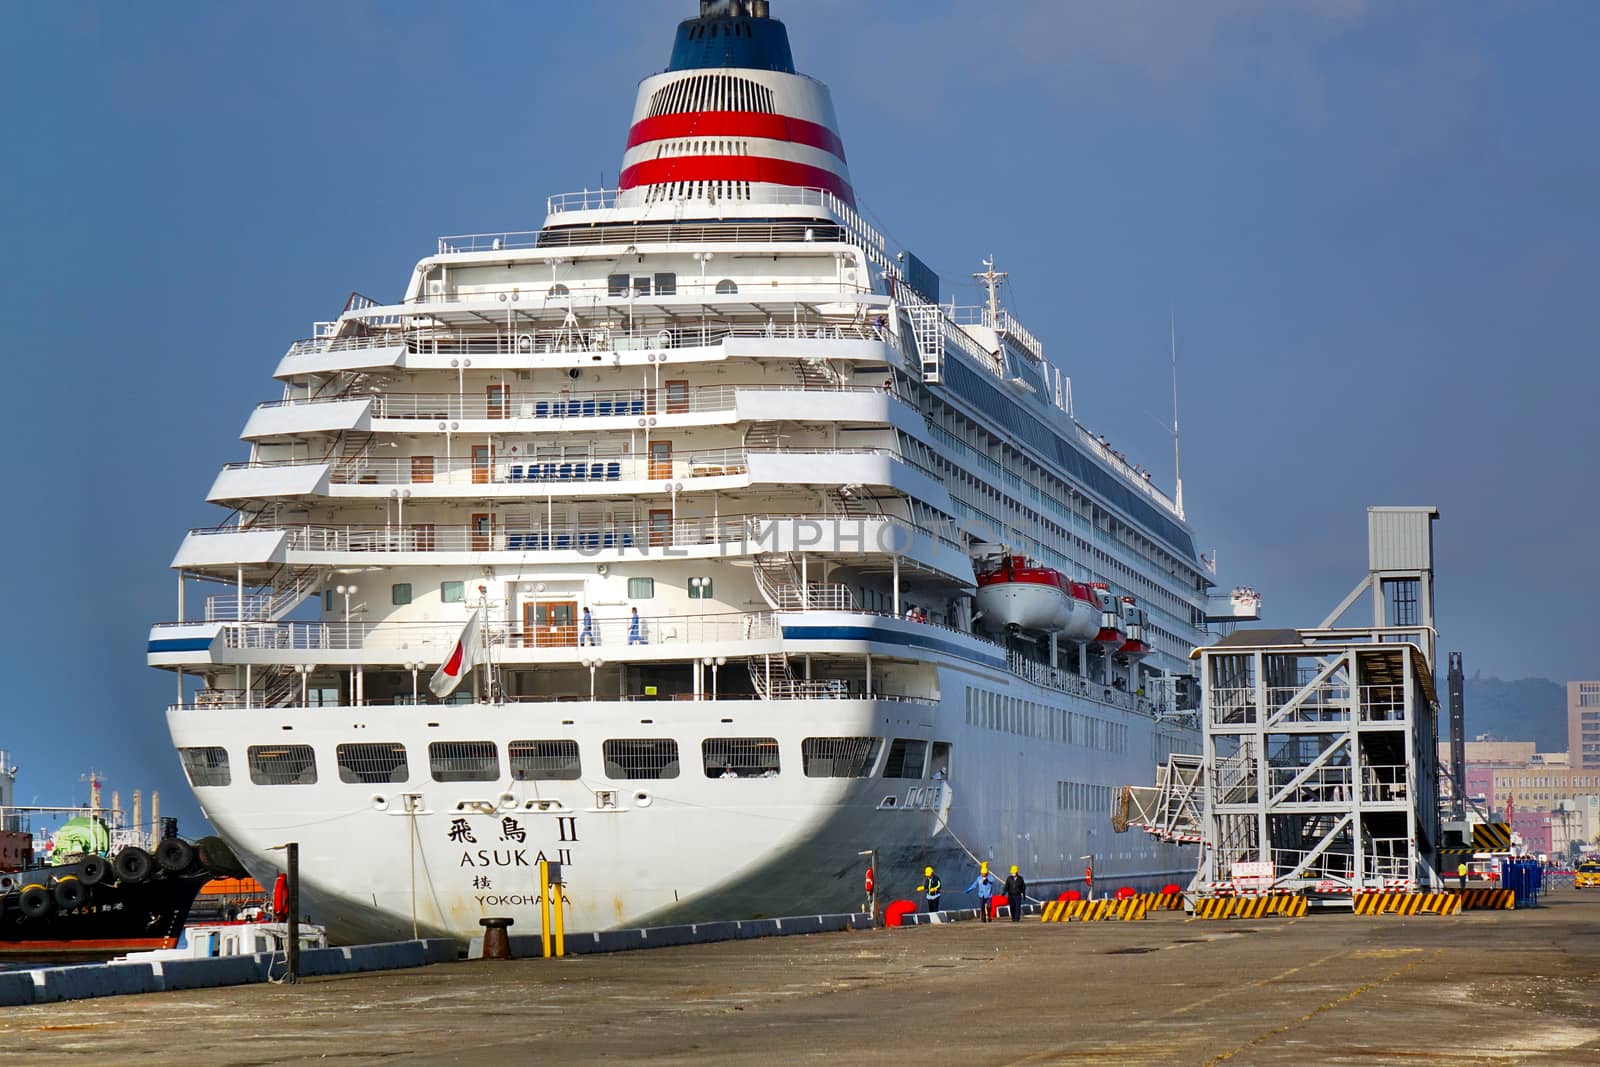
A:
x: 1517, y: 987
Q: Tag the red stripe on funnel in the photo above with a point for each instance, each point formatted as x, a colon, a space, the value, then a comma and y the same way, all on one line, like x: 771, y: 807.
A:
x: 736, y: 124
x: 736, y: 169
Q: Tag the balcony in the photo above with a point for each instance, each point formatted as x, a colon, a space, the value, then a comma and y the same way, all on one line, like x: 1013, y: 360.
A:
x: 581, y: 475
x: 554, y: 411
x: 721, y: 535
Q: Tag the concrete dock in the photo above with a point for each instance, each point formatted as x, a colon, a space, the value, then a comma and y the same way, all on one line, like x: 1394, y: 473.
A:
x: 1478, y: 988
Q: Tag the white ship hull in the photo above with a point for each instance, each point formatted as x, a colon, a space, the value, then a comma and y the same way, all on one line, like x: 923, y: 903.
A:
x: 691, y: 848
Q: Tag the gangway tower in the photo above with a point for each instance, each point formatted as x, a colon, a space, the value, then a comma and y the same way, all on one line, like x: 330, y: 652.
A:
x: 1320, y: 753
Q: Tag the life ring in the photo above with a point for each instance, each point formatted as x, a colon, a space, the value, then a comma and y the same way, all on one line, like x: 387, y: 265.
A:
x: 175, y: 855
x: 34, y: 902
x: 133, y: 865
x: 1070, y: 894
x: 71, y: 893
x: 1125, y: 892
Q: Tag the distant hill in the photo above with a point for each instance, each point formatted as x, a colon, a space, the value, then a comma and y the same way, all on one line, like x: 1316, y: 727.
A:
x: 1528, y: 709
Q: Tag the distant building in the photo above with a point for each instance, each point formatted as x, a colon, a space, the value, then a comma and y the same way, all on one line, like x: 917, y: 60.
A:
x: 1535, y: 828
x: 1577, y: 820
x: 1583, y: 725
x: 1537, y: 787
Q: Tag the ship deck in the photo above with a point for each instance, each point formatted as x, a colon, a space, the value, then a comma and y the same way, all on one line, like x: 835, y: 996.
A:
x: 1482, y: 987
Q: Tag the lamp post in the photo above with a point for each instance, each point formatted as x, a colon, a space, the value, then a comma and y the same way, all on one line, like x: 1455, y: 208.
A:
x: 348, y: 591
x: 414, y: 668
x: 714, y: 662
x: 592, y: 662
x: 461, y: 366
x: 698, y: 588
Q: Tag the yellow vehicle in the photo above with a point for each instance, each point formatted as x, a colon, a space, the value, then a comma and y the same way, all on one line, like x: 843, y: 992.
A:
x: 1588, y: 876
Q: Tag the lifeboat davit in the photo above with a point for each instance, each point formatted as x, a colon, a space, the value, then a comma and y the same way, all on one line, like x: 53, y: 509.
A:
x: 1108, y: 610
x: 1022, y: 597
x: 1133, y: 623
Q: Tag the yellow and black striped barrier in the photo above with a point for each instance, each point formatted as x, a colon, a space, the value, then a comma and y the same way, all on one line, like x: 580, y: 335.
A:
x: 1161, y: 901
x: 1290, y: 907
x: 1491, y: 837
x: 1060, y: 911
x: 1407, y: 904
x: 1486, y: 899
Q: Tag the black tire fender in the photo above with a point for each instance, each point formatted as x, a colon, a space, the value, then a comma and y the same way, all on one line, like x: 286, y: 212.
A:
x: 93, y: 870
x: 133, y: 865
x: 175, y: 855
x: 35, y: 901
x: 70, y: 893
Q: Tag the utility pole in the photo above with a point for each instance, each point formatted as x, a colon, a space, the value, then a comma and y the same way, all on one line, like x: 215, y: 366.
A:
x: 1458, y: 740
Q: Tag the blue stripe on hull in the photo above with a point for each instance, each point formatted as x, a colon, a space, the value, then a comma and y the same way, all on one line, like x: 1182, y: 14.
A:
x: 891, y: 637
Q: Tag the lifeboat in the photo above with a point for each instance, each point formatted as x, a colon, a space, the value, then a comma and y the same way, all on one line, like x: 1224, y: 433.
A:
x: 1022, y: 597
x: 1109, y: 633
x: 1133, y: 624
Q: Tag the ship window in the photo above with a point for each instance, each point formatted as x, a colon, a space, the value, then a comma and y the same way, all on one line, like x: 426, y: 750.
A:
x: 641, y: 758
x: 641, y: 285
x: 727, y: 287
x: 839, y: 757
x: 383, y: 761
x: 699, y: 588
x: 463, y: 761
x: 282, y: 765
x: 616, y: 285
x: 744, y: 757
x: 400, y: 593
x: 327, y: 600
x: 452, y: 592
x: 533, y: 761
x: 641, y: 588
x: 557, y: 291
x: 666, y: 284
x: 906, y: 759
x: 206, y: 766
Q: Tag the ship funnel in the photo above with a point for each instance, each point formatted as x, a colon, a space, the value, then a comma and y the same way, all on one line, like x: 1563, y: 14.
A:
x: 730, y: 121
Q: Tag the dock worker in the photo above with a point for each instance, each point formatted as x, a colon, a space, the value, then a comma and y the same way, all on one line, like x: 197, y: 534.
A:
x: 931, y: 886
x: 1016, y: 889
x: 984, y: 884
x: 1461, y: 873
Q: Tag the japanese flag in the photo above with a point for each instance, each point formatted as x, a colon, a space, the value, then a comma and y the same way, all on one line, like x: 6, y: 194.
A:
x: 458, y: 664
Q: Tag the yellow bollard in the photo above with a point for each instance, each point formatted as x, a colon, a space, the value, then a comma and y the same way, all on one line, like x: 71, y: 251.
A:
x: 544, y: 905
x: 560, y: 918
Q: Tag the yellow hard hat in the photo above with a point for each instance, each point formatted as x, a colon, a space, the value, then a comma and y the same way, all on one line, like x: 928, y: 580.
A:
x: 927, y: 871
x: 1013, y: 868
x: 983, y: 868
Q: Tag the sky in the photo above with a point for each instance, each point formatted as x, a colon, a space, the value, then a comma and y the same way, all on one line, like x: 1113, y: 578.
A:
x: 1373, y: 224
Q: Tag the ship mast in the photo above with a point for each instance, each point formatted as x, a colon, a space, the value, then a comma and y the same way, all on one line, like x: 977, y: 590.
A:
x: 991, y: 279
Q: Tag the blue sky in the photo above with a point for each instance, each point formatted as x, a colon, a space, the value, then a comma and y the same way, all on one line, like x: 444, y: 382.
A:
x: 1376, y: 225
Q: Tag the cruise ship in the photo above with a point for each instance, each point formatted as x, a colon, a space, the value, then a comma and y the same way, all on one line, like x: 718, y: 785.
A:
x: 654, y: 542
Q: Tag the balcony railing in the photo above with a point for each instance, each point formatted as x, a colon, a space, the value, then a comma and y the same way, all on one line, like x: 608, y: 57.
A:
x: 603, y: 403
x: 502, y: 469
x: 417, y: 641
x: 757, y: 532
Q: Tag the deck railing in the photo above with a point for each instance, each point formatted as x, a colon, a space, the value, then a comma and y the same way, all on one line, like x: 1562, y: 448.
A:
x: 565, y: 404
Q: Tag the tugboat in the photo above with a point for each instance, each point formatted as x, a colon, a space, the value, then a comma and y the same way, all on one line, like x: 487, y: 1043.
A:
x: 94, y: 896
